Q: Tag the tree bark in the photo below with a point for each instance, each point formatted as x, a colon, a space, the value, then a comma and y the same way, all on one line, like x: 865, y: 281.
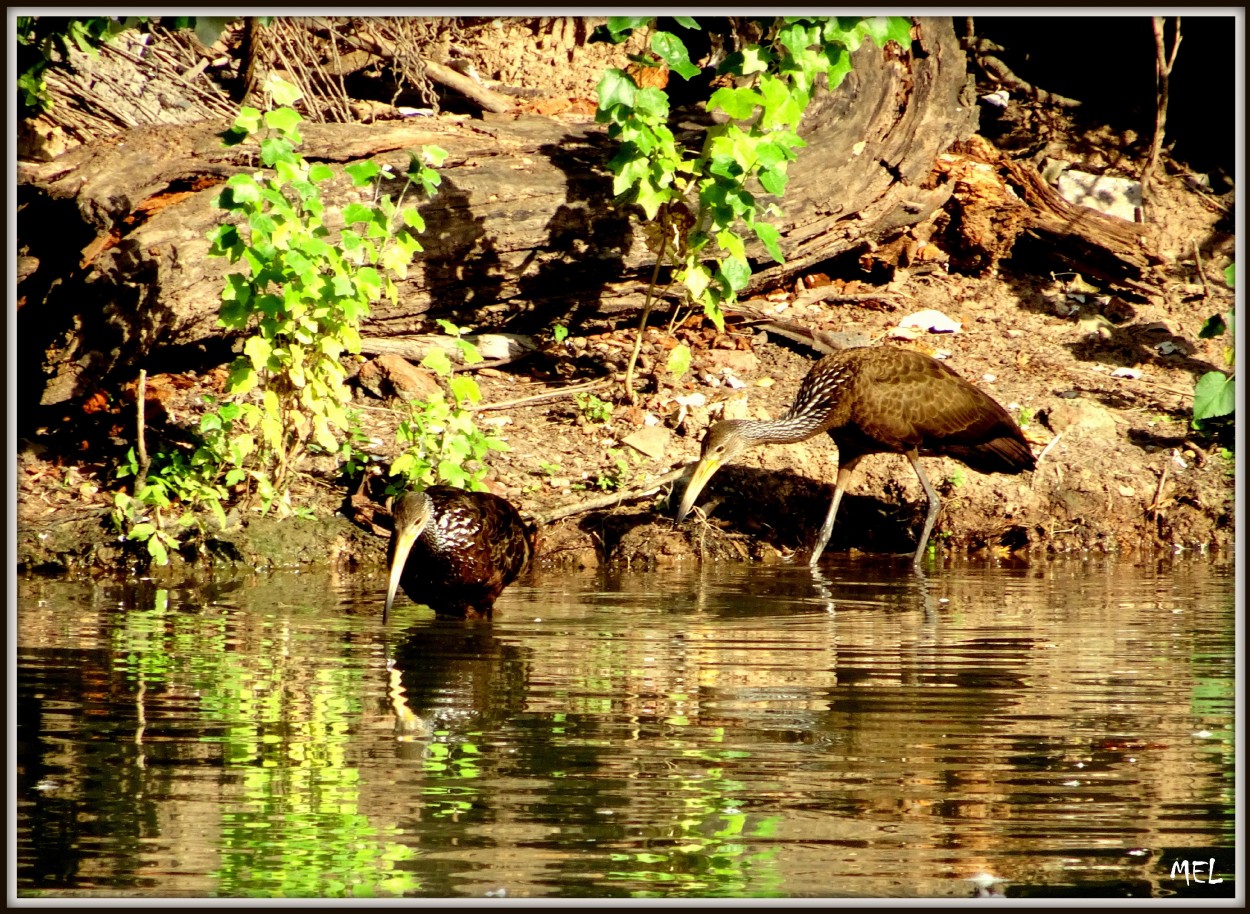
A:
x: 523, y: 232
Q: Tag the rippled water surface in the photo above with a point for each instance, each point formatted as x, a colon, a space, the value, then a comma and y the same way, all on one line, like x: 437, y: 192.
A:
x: 1060, y: 729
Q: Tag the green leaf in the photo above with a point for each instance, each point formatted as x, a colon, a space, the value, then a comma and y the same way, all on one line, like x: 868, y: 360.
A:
x: 737, y: 103
x: 320, y: 171
x: 619, y: 27
x: 362, y: 173
x: 774, y: 181
x: 839, y: 65
x: 243, y: 188
x: 672, y: 50
x: 1212, y: 327
x: 438, y: 362
x: 730, y: 242
x: 285, y: 120
x: 157, y: 550
x: 283, y: 92
x: 898, y: 28
x: 770, y: 236
x: 258, y: 350
x: 1230, y: 275
x: 1214, y: 395
x: 686, y: 22
x: 615, y: 88
x: 679, y: 361
x: 248, y: 120
x: 736, y: 272
x: 465, y: 390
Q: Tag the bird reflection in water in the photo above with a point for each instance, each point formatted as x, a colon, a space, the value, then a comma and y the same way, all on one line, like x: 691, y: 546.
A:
x: 455, y: 551
x: 874, y: 401
x: 445, y: 675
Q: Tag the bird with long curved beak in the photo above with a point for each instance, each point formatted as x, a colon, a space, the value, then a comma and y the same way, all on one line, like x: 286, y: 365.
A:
x: 454, y: 550
x: 874, y: 401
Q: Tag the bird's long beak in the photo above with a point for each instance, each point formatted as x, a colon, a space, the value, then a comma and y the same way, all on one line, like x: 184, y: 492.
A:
x: 702, y: 472
x: 401, y: 544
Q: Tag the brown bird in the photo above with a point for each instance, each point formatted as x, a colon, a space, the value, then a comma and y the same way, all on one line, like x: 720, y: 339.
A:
x: 873, y: 401
x: 455, y: 551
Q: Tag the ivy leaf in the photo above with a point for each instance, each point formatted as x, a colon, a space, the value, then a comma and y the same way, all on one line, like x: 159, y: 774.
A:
x: 651, y: 198
x: 737, y: 103
x: 755, y: 59
x: 620, y: 27
x: 258, y: 349
x: 686, y: 22
x: 437, y: 361
x: 1214, y: 395
x: 679, y: 361
x: 1212, y: 327
x: 770, y: 236
x: 284, y: 120
x: 839, y: 65
x: 736, y: 272
x: 362, y: 173
x: 243, y: 189
x: 614, y: 88
x: 672, y: 50
x: 465, y: 390
x: 774, y: 181
x: 898, y: 28
x: 248, y: 120
x: 283, y: 92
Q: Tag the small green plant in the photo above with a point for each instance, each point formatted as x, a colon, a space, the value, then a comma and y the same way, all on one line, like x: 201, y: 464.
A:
x: 549, y: 469
x: 559, y: 333
x: 956, y: 479
x: 694, y: 199
x: 1215, y: 394
x: 302, y: 297
x: 1025, y: 416
x: 299, y: 301
x: 615, y: 478
x: 439, y: 441
x: 594, y: 409
x: 353, y: 455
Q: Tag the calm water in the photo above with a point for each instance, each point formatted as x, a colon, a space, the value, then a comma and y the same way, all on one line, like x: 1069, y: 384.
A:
x: 1061, y: 729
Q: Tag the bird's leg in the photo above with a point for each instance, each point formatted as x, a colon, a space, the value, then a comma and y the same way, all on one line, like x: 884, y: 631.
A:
x: 935, y: 505
x: 845, y: 471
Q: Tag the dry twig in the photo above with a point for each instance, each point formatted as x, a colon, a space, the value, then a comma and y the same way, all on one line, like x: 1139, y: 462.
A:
x: 613, y: 499
x: 1163, y: 70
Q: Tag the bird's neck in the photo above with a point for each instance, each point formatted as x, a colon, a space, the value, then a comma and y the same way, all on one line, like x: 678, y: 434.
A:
x: 786, y: 430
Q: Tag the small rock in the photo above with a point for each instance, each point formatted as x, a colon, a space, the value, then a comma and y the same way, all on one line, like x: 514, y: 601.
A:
x: 1119, y: 197
x: 650, y: 442
x: 393, y: 375
x: 1130, y: 373
x: 931, y: 320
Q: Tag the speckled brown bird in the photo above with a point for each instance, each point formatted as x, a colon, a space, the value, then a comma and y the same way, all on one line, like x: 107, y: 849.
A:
x: 455, y: 551
x: 878, y: 400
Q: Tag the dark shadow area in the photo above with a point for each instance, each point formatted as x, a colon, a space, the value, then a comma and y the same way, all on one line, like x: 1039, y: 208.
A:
x: 1108, y: 64
x: 462, y: 268
x: 586, y: 248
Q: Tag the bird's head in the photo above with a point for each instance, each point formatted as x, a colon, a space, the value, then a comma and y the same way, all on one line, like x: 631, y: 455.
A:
x: 724, y: 441
x: 411, y: 512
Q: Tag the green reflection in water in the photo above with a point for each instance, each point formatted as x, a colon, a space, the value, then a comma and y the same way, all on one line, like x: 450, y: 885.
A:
x: 297, y: 829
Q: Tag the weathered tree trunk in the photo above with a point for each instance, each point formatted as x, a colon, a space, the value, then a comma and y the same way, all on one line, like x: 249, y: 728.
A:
x: 523, y: 231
